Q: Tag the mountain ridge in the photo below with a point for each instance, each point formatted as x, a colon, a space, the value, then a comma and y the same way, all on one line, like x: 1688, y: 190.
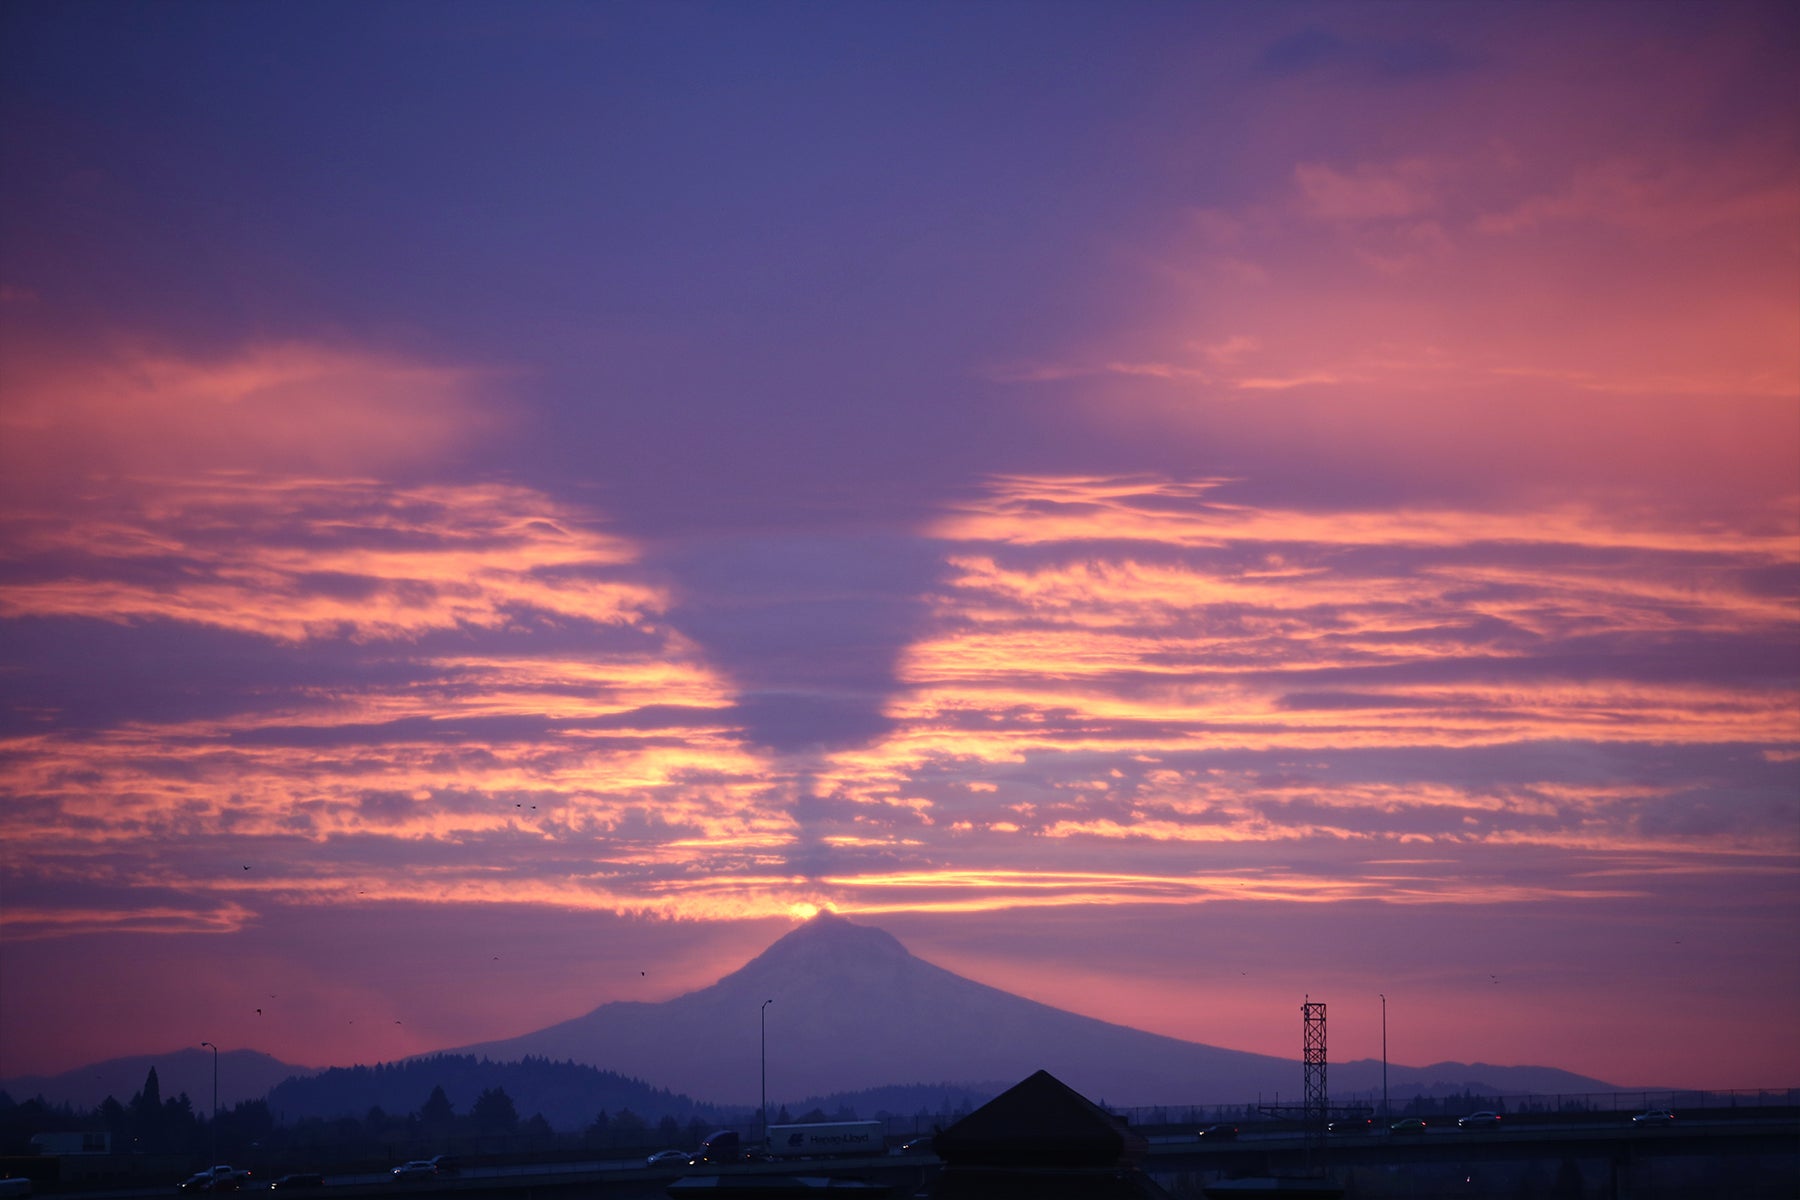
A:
x: 851, y: 1008
x: 851, y: 1011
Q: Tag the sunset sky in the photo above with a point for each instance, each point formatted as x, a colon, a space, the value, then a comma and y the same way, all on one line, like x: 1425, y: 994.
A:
x: 1169, y: 509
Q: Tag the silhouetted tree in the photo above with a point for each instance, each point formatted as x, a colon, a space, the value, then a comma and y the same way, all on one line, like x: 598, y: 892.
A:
x: 180, y: 1128
x: 494, y: 1112
x: 147, y: 1112
x: 628, y: 1129
x: 248, y: 1121
x: 116, y: 1120
x: 437, y: 1111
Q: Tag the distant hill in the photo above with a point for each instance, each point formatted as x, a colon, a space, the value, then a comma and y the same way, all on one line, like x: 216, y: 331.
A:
x: 853, y: 1009
x: 243, y: 1075
x: 855, y: 1021
x: 934, y: 1100
x: 1454, y: 1078
x: 569, y: 1095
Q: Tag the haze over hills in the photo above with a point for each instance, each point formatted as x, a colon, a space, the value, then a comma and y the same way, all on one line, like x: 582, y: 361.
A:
x: 242, y: 1074
x: 852, y: 1010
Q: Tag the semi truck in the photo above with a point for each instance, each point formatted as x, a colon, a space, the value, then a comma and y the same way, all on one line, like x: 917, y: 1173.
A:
x: 819, y: 1139
x: 823, y: 1138
x: 720, y: 1146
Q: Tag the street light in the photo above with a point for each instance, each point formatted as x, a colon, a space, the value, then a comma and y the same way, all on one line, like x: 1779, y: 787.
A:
x: 215, y: 1110
x: 765, y: 1071
x: 1384, y: 1100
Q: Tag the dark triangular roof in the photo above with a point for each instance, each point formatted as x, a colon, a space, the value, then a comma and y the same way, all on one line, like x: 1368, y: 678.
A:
x: 1039, y: 1122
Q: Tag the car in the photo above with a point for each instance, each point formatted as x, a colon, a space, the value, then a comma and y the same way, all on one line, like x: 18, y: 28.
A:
x: 1654, y: 1116
x: 221, y: 1178
x: 918, y: 1145
x: 1219, y: 1133
x: 1408, y: 1127
x: 418, y: 1168
x: 667, y: 1158
x: 304, y: 1179
x: 1346, y: 1125
x: 445, y: 1165
x: 1480, y: 1120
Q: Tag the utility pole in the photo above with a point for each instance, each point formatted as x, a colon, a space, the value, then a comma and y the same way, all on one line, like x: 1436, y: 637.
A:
x: 1384, y: 1100
x: 1318, y: 1104
x: 765, y: 1072
x: 215, y: 1109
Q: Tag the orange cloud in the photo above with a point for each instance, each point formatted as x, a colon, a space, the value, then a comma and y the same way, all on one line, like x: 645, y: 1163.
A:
x: 285, y: 407
x: 255, y: 495
x: 1144, y: 623
x: 300, y: 558
x: 21, y: 923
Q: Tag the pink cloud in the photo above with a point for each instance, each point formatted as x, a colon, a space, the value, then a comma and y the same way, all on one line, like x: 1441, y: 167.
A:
x: 124, y: 408
x: 294, y: 558
x: 1368, y: 192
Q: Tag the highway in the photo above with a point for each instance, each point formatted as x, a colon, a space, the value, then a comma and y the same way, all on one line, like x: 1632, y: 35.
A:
x: 1759, y: 1136
x: 1743, y: 1134
x: 586, y: 1179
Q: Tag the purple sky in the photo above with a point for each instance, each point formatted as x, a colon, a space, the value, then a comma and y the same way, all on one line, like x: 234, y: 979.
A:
x: 1168, y: 509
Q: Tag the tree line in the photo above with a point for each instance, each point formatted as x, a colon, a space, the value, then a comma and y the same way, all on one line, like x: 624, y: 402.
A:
x: 367, y: 1117
x: 151, y: 1124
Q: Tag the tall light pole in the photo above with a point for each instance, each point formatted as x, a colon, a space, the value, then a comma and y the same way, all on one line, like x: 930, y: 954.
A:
x: 215, y: 1111
x: 1384, y: 1102
x: 765, y: 1072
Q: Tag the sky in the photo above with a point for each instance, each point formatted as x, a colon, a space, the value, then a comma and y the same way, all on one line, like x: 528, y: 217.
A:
x: 1170, y: 510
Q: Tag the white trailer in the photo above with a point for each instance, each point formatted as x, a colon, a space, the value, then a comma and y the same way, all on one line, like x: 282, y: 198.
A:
x: 94, y: 1142
x: 827, y: 1138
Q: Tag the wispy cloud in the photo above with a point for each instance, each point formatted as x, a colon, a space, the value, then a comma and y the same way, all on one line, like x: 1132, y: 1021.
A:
x: 1136, y: 661
x: 104, y: 409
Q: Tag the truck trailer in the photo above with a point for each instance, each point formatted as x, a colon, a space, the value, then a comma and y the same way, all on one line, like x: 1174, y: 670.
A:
x: 825, y: 1138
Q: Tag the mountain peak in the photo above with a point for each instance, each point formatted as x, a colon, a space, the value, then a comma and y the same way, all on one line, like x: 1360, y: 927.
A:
x: 827, y: 946
x: 829, y: 929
